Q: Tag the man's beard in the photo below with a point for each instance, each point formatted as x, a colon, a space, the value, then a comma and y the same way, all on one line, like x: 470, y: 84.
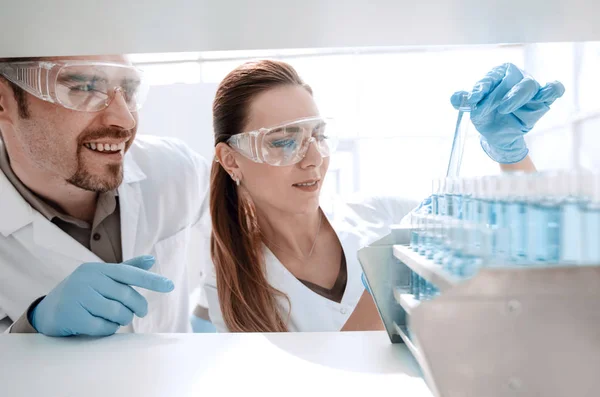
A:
x: 113, y: 176
x: 86, y: 181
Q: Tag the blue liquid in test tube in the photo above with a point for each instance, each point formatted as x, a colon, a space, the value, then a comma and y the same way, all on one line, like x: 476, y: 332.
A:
x: 517, y: 218
x: 571, y: 218
x: 591, y: 224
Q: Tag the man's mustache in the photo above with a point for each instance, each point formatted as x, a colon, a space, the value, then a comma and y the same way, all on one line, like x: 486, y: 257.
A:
x: 114, y: 133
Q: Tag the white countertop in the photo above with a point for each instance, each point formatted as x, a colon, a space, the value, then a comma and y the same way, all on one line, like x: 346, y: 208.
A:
x: 296, y: 364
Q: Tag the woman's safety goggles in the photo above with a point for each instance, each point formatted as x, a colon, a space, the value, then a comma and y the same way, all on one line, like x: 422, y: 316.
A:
x: 288, y: 143
x: 85, y: 86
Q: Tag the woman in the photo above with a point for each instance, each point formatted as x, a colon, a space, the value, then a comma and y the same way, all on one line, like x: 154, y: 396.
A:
x: 280, y: 264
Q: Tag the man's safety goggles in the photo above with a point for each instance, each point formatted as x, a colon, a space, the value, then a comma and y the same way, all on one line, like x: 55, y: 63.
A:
x: 288, y: 143
x: 85, y: 86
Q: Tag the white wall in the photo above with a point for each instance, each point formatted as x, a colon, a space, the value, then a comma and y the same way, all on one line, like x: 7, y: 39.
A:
x: 183, y: 111
x: 75, y: 27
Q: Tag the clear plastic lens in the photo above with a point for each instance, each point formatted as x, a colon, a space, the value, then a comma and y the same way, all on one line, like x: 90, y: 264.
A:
x: 288, y: 144
x: 92, y: 87
x: 79, y: 85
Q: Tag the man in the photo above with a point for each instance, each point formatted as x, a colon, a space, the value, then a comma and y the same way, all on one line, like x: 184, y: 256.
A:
x: 95, y: 224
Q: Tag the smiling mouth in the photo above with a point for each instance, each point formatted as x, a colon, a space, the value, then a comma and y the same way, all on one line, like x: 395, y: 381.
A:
x: 107, y: 148
x: 306, y: 184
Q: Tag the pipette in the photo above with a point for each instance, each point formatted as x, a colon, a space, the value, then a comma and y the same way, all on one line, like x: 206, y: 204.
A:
x: 458, y: 143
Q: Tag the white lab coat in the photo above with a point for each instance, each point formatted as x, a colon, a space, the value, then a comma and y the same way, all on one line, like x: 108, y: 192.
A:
x: 357, y: 224
x: 164, y: 206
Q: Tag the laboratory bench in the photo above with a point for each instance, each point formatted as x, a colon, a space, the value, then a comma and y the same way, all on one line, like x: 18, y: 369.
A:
x: 178, y: 365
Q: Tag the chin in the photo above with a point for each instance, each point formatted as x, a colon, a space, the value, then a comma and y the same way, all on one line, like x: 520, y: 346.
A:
x: 308, y: 207
x: 104, y: 182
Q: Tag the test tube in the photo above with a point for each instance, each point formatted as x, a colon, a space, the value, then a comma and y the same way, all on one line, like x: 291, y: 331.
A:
x: 414, y: 231
x: 501, y: 227
x: 442, y: 205
x: 517, y: 217
x: 571, y: 218
x: 450, y: 197
x: 435, y: 194
x: 466, y: 202
x: 591, y: 222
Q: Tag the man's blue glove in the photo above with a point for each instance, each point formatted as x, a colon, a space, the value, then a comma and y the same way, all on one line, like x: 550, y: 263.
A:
x: 505, y: 105
x: 97, y: 298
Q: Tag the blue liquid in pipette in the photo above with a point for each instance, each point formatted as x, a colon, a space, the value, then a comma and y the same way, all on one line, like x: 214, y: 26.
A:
x: 571, y: 228
x: 516, y: 213
x: 435, y: 204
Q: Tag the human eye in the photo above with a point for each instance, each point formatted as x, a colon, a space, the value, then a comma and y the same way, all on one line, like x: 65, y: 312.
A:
x: 283, y: 143
x: 81, y: 83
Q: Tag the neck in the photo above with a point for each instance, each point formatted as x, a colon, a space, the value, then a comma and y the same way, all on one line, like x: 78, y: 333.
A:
x: 69, y: 199
x: 294, y: 233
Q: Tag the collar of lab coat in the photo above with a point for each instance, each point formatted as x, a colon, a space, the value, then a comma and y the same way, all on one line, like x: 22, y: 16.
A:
x: 16, y: 213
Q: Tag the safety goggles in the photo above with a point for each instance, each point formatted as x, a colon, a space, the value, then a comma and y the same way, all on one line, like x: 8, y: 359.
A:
x: 287, y: 144
x: 86, y: 86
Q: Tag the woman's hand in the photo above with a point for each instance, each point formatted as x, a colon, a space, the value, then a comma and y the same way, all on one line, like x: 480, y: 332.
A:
x: 505, y: 105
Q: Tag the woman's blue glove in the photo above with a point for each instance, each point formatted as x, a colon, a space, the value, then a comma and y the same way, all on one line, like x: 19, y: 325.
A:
x: 97, y: 298
x: 505, y: 105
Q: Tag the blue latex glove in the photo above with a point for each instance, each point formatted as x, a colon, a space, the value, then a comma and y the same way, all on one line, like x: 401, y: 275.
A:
x: 505, y: 105
x: 97, y: 298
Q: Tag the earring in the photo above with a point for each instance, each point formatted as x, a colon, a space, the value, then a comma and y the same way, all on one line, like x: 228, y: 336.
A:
x: 236, y: 180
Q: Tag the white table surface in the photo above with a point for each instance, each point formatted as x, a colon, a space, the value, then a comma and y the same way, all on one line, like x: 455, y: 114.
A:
x: 296, y: 364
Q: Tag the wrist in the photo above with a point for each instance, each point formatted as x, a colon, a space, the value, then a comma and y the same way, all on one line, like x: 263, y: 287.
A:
x: 511, y: 153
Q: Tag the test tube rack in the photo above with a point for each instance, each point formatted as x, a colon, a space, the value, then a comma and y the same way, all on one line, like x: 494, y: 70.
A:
x: 504, y: 332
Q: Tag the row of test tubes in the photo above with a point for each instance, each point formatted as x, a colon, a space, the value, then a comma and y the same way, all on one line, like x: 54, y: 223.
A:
x: 517, y: 219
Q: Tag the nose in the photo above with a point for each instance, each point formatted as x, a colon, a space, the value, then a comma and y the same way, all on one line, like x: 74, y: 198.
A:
x: 117, y: 113
x: 312, y: 157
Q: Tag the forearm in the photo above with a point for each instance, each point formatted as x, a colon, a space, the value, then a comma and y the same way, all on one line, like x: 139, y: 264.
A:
x: 525, y: 165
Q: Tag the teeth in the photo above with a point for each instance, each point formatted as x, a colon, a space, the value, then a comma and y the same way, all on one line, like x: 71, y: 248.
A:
x: 307, y: 184
x: 102, y: 147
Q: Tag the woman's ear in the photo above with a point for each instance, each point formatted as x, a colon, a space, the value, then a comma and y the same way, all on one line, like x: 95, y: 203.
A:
x: 225, y: 156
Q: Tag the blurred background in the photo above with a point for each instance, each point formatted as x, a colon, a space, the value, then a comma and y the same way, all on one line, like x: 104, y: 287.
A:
x: 393, y: 106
